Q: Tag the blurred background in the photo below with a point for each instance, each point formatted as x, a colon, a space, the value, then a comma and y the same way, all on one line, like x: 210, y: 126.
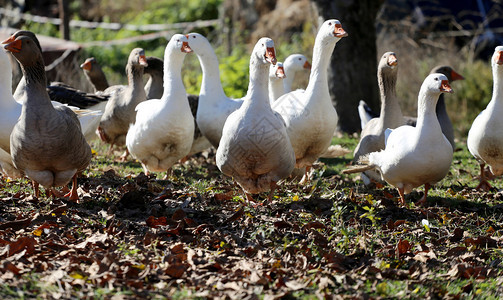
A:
x: 423, y: 34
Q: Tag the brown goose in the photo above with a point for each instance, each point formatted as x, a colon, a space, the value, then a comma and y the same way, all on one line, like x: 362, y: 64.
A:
x: 372, y: 136
x: 46, y: 143
x: 120, y: 109
x: 94, y: 73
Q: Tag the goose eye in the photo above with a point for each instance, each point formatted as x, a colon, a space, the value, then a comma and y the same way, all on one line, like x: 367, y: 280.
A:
x: 194, y: 36
x: 300, y: 58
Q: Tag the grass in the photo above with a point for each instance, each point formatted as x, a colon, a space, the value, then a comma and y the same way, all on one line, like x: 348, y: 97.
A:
x: 334, y: 236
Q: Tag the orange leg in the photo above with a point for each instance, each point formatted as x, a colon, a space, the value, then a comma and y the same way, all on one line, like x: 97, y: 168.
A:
x: 484, y: 185
x: 402, y: 196
x: 73, y: 195
x: 36, y: 190
x: 110, y: 150
x: 124, y: 156
x: 250, y: 200
x: 422, y: 201
x: 271, y: 193
x: 305, y: 178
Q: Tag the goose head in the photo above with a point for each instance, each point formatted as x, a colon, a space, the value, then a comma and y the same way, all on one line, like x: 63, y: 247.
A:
x: 297, y: 62
x: 449, y: 72
x: 137, y: 57
x: 277, y: 71
x: 24, y: 33
x: 436, y: 83
x: 179, y: 43
x: 497, y: 59
x: 264, y: 51
x: 25, y: 50
x: 88, y: 64
x: 198, y: 43
x: 388, y: 60
x: 333, y: 28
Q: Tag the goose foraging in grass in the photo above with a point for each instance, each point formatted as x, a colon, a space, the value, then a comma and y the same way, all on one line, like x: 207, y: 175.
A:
x: 485, y: 138
x: 309, y: 115
x: 419, y: 155
x: 164, y: 128
x: 255, y: 149
x: 46, y: 143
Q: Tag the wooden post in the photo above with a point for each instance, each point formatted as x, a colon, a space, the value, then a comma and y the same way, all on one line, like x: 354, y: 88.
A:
x: 64, y: 27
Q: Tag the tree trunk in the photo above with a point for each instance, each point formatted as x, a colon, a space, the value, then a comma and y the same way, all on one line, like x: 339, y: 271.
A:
x: 352, y: 74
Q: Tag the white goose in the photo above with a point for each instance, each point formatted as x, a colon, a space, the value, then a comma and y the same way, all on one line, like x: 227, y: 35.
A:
x: 164, y: 128
x: 294, y: 63
x: 10, y: 111
x: 310, y: 117
x: 276, y: 77
x: 214, y: 105
x: 255, y: 148
x: 416, y: 155
x: 485, y: 138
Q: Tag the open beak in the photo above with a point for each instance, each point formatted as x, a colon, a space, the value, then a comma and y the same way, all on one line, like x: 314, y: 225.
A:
x: 9, y: 40
x: 280, y: 72
x: 270, y: 55
x: 499, y: 58
x: 445, y: 87
x: 86, y: 66
x: 307, y: 65
x: 392, y: 60
x: 339, y: 31
x: 13, y: 46
x: 143, y: 61
x: 456, y: 76
x: 186, y: 48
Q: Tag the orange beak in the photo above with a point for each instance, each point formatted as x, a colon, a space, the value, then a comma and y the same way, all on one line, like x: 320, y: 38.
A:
x: 13, y: 46
x: 143, y: 61
x: 339, y: 31
x: 307, y: 65
x: 186, y: 48
x: 456, y: 76
x: 9, y: 40
x: 280, y: 72
x: 392, y: 60
x: 499, y: 58
x: 86, y: 66
x: 270, y: 55
x: 445, y: 87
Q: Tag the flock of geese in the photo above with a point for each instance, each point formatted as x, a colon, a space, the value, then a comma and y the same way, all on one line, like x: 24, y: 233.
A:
x: 260, y: 138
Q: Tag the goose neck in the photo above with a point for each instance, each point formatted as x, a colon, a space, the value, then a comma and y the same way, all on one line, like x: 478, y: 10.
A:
x: 387, y: 89
x: 135, y: 76
x: 498, y: 84
x: 258, y: 87
x: 426, y: 108
x: 322, y: 52
x: 172, y: 73
x: 211, y: 84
